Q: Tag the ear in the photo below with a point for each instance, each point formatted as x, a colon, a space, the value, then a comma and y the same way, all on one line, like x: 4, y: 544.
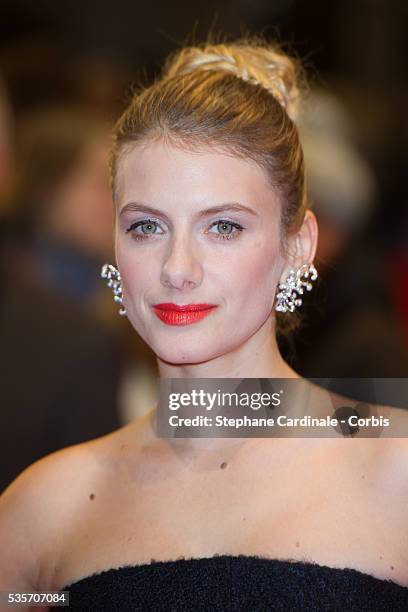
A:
x: 302, y: 245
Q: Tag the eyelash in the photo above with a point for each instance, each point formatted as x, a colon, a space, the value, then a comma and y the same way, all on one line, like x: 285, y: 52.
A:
x: 231, y: 236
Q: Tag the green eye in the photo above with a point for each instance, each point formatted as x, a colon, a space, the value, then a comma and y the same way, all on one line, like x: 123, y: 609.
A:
x: 227, y: 230
x: 223, y: 224
x: 150, y: 225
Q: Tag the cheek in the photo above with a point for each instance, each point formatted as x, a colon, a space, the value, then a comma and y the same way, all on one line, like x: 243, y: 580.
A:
x: 126, y: 262
x: 256, y: 275
x: 134, y: 275
x: 249, y: 274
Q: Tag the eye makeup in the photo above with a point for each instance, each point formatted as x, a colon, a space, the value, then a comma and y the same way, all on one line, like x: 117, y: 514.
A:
x: 153, y: 223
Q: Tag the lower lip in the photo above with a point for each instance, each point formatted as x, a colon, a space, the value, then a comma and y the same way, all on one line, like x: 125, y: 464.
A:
x: 175, y: 317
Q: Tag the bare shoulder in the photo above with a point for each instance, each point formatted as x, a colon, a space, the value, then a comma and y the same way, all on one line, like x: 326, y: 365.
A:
x: 41, y: 506
x: 397, y: 422
x: 38, y: 507
x: 391, y: 452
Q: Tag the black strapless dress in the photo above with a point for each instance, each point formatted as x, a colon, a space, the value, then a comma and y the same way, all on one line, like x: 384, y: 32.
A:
x: 235, y: 583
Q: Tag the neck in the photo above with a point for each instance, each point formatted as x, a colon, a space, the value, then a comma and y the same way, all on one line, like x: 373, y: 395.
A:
x: 259, y: 357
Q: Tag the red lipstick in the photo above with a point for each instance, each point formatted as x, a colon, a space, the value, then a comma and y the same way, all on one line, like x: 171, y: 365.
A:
x: 174, y: 314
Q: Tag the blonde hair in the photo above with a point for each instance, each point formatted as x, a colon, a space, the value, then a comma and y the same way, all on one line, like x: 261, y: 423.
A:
x: 240, y: 97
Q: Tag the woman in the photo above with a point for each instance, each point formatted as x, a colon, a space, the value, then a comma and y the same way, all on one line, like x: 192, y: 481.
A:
x: 211, y: 209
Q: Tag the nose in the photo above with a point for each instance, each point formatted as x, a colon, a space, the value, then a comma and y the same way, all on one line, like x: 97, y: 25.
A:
x: 181, y: 269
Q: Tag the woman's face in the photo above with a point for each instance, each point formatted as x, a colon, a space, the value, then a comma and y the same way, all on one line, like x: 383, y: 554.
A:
x: 182, y: 252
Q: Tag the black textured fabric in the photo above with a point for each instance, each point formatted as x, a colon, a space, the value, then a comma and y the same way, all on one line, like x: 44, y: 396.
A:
x: 235, y: 583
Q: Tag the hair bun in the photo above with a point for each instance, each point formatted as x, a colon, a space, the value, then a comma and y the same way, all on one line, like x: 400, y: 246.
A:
x: 256, y: 62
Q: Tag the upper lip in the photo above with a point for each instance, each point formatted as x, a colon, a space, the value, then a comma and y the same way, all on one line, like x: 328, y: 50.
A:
x: 183, y: 308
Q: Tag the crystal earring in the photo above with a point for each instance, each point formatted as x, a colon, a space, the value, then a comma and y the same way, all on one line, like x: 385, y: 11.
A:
x: 293, y: 286
x: 113, y: 280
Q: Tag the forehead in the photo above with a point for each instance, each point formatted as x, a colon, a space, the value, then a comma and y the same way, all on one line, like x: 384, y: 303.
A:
x: 164, y: 172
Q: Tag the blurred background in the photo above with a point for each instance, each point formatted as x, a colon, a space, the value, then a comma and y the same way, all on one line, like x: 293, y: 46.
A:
x: 71, y: 368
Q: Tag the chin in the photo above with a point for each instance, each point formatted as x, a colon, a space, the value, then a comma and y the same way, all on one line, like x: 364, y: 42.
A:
x: 184, y: 355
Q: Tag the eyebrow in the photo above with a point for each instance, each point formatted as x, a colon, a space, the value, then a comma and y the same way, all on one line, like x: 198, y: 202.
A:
x: 228, y: 207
